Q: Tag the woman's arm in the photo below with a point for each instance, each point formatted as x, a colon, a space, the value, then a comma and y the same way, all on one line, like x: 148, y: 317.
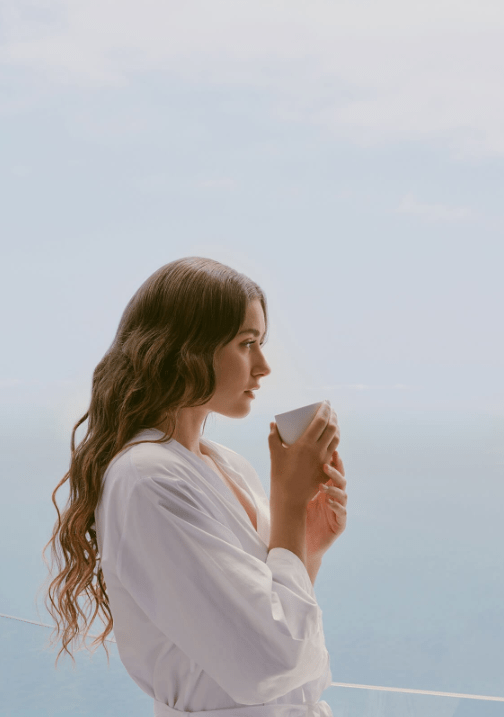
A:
x: 296, y: 473
x: 288, y: 530
x: 313, y: 566
x: 287, y: 525
x: 255, y: 627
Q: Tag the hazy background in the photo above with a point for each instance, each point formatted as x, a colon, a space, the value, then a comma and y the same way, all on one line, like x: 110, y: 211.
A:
x: 347, y: 156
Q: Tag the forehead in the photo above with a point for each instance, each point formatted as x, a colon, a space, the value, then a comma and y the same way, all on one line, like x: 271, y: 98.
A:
x: 254, y: 316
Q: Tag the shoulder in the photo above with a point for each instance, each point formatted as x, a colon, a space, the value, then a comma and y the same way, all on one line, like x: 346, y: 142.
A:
x: 152, y: 476
x: 141, y: 458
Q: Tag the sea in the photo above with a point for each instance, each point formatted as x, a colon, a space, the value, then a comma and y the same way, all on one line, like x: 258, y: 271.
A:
x: 412, y: 593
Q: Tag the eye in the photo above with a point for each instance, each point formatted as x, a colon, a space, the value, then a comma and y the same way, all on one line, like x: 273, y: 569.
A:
x: 249, y: 343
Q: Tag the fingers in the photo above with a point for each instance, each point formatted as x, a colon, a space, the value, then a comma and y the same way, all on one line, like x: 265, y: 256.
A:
x: 331, y: 435
x: 337, y: 507
x: 319, y: 423
x: 334, y: 442
x: 337, y: 463
x: 337, y: 477
x: 274, y: 437
x: 336, y: 495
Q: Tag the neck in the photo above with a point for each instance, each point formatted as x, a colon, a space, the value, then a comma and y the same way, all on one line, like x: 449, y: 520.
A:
x: 188, y: 428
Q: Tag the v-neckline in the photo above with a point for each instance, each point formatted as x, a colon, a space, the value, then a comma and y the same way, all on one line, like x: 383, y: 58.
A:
x: 219, y: 481
x: 240, y: 493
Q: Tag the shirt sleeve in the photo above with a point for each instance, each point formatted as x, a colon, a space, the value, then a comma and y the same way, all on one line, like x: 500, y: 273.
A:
x: 254, y: 627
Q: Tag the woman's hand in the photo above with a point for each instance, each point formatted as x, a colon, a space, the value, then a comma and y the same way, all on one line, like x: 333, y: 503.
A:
x: 297, y: 470
x: 325, y: 521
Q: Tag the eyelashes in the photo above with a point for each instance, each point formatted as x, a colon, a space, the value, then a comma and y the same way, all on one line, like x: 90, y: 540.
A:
x: 248, y: 344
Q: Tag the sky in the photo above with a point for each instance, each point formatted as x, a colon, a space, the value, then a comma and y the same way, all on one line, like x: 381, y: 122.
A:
x: 347, y: 156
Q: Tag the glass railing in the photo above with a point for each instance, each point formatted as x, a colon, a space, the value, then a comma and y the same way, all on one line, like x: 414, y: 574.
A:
x: 92, y: 688
x: 33, y: 687
x: 411, y: 594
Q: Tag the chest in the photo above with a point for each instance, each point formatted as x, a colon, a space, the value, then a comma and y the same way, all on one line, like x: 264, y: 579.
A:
x: 240, y: 494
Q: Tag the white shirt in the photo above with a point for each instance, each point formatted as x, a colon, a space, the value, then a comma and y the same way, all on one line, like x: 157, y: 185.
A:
x: 204, y: 617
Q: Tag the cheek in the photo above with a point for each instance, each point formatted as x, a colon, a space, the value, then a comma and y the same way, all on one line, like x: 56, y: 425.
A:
x: 231, y: 367
x: 237, y: 366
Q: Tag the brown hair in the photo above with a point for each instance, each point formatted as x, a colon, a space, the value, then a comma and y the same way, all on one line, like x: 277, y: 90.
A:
x: 161, y: 360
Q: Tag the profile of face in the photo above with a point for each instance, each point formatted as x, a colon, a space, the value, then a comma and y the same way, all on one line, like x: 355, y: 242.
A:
x: 240, y: 365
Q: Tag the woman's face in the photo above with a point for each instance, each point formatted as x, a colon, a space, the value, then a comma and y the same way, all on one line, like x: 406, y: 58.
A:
x: 240, y: 365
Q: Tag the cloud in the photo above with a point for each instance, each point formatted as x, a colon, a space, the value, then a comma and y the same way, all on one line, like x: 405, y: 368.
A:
x: 162, y: 183
x: 21, y: 170
x: 222, y: 183
x: 367, y: 72
x: 34, y: 384
x: 9, y: 382
x: 362, y: 387
x: 432, y: 212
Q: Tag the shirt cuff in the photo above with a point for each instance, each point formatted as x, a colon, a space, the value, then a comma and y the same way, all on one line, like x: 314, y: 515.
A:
x: 289, y: 567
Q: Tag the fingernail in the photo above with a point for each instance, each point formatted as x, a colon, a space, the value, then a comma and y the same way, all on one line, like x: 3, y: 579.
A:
x: 324, y: 487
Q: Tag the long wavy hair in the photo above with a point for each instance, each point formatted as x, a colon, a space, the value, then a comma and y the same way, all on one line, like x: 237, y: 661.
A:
x: 161, y: 360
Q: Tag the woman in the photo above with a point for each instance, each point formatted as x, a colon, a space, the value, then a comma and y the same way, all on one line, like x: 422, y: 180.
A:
x: 171, y: 537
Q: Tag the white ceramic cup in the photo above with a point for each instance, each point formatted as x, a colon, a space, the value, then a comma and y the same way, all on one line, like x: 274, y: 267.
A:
x: 292, y: 424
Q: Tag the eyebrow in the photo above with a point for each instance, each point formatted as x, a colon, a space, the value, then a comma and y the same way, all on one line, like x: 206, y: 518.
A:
x: 255, y: 332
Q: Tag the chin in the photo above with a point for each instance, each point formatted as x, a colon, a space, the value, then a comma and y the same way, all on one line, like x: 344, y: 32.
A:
x: 236, y: 411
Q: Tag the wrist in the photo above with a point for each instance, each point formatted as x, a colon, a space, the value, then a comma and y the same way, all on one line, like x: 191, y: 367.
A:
x: 283, y: 501
x: 288, y: 527
x: 313, y: 563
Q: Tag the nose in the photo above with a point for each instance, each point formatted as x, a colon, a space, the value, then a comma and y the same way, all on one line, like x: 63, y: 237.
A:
x: 262, y: 368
